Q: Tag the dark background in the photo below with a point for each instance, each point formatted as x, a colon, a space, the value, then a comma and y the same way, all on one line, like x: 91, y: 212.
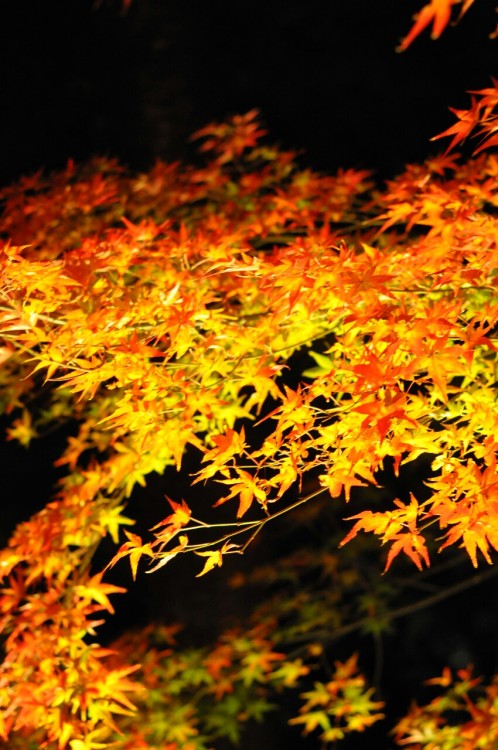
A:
x: 79, y: 79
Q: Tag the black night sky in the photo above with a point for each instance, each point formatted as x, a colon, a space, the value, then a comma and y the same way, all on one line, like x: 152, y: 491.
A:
x: 81, y: 78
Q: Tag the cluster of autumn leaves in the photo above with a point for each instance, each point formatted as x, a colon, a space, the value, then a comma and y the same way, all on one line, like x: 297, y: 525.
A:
x: 172, y: 309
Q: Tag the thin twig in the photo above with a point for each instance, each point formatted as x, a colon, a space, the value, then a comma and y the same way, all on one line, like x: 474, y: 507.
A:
x: 429, y: 601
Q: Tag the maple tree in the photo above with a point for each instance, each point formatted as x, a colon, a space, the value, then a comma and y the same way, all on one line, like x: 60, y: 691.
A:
x: 300, y: 336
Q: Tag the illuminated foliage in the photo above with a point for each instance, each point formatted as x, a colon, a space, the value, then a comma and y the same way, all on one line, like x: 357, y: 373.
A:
x: 300, y: 334
x: 437, y: 14
x: 431, y: 726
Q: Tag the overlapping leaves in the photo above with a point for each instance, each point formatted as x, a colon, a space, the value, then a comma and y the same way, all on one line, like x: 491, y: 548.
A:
x: 161, y: 311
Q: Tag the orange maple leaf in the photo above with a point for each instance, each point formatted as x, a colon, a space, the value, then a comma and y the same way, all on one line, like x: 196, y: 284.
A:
x: 467, y: 120
x: 397, y: 526
x: 413, y: 545
x: 246, y: 488
x: 175, y: 521
x: 439, y: 13
x: 215, y: 557
x: 227, y: 445
x: 135, y: 549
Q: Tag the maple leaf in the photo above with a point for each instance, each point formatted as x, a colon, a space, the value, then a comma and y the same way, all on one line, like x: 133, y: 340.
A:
x: 468, y: 119
x: 246, y: 488
x: 176, y: 520
x: 399, y: 213
x: 135, y: 549
x: 257, y: 665
x: 439, y: 13
x: 215, y: 557
x: 111, y: 519
x: 398, y: 527
x: 413, y: 545
x: 22, y: 429
x: 290, y: 672
x: 95, y: 590
x: 378, y: 523
x: 227, y: 445
x: 336, y: 481
x: 479, y: 536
